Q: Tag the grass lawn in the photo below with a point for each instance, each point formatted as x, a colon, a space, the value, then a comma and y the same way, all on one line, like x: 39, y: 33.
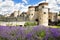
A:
x: 55, y: 26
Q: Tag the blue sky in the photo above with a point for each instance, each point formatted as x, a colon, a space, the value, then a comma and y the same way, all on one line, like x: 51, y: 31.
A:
x: 52, y: 3
x: 17, y: 1
x: 32, y: 2
x: 9, y: 6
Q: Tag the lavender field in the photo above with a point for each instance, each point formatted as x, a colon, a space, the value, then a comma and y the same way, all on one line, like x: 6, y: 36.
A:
x: 29, y: 33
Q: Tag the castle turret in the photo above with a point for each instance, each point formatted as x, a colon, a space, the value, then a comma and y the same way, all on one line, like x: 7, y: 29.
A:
x: 31, y: 10
x: 53, y: 17
x: 43, y: 14
x: 19, y: 12
x: 15, y: 13
x: 36, y: 13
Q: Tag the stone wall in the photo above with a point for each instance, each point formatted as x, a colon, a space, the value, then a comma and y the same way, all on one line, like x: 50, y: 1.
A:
x: 12, y: 23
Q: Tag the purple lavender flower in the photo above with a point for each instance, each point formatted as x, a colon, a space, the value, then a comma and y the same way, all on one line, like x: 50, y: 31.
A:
x: 55, y: 32
x: 28, y: 33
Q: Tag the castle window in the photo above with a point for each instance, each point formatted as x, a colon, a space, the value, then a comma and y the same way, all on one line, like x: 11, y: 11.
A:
x: 42, y: 6
x: 31, y: 14
x: 44, y: 12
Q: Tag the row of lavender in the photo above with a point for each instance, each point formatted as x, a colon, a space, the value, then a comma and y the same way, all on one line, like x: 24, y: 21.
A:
x: 29, y: 33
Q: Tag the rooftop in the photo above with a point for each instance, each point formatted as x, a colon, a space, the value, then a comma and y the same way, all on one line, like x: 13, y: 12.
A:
x: 45, y: 3
x: 31, y: 6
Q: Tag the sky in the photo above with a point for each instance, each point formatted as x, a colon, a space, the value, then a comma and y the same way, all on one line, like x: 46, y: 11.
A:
x: 9, y: 6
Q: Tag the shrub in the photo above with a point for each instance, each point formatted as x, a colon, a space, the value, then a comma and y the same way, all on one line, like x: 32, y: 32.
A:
x: 30, y: 24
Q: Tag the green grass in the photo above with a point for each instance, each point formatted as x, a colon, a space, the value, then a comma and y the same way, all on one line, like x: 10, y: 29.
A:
x: 58, y: 26
x: 55, y: 26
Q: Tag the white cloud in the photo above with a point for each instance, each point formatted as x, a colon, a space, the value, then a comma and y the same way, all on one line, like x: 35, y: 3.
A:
x: 0, y: 0
x: 17, y: 6
x: 25, y: 1
x: 8, y: 6
x: 8, y: 0
x: 58, y: 1
x: 24, y: 8
x: 53, y: 5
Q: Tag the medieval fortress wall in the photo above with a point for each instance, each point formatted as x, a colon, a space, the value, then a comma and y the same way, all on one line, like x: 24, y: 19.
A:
x: 41, y: 12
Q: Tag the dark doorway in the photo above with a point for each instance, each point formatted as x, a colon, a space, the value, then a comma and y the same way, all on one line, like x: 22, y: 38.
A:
x: 20, y: 25
x: 37, y: 21
x: 49, y: 21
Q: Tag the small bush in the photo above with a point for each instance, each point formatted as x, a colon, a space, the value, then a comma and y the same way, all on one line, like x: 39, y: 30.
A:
x: 30, y: 24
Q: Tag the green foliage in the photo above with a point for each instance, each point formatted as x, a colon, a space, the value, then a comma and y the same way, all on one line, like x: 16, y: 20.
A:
x: 42, y: 34
x: 58, y: 14
x: 58, y: 38
x: 50, y: 38
x: 1, y: 38
x: 18, y: 39
x: 30, y: 24
x: 58, y: 24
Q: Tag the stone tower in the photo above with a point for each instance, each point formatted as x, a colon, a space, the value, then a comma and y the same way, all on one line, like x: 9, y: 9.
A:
x: 19, y: 12
x: 43, y: 14
x: 36, y: 13
x: 15, y: 13
x: 53, y: 17
x: 31, y: 10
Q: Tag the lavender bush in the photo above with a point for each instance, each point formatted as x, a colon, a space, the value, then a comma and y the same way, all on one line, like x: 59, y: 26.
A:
x: 29, y: 33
